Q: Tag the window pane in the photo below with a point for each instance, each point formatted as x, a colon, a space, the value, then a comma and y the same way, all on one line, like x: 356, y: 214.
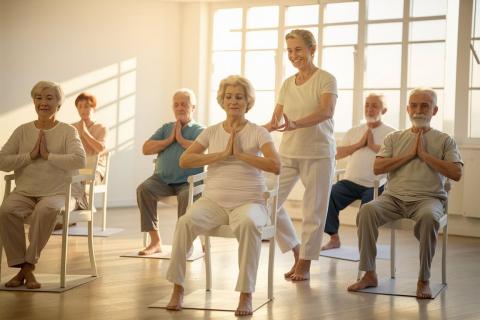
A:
x: 428, y: 30
x: 474, y: 131
x: 477, y: 19
x: 262, y: 17
x: 301, y: 15
x: 422, y: 8
x: 383, y: 66
x: 262, y: 39
x: 224, y: 64
x: 223, y: 22
x: 384, y: 32
x: 340, y: 35
x: 343, y: 111
x: 340, y: 62
x: 262, y: 110
x: 475, y: 70
x: 260, y: 69
x: 341, y: 12
x: 426, y: 65
x: 392, y: 102
x: 382, y: 9
x: 215, y: 113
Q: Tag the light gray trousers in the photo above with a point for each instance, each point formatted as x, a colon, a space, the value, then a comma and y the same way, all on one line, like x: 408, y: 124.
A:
x: 148, y: 195
x: 425, y: 213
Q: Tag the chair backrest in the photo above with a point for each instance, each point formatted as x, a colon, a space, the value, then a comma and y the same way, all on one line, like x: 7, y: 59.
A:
x: 107, y: 167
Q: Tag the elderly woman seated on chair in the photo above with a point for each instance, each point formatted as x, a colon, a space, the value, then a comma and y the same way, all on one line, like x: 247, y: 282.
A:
x: 93, y: 134
x: 233, y: 189
x: 42, y: 153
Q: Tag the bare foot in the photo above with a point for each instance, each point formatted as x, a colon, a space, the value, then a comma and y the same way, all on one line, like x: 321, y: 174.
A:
x: 296, y: 253
x: 367, y: 281
x: 302, y: 271
x: 152, y: 248
x: 16, y: 281
x: 176, y: 300
x: 333, y: 243
x: 30, y: 280
x: 244, y: 304
x: 423, y: 290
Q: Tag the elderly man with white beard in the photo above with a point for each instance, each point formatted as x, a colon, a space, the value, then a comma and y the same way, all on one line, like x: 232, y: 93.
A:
x: 360, y: 144
x: 417, y: 160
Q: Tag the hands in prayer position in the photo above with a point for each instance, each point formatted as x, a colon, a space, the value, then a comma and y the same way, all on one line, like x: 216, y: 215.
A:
x: 40, y: 148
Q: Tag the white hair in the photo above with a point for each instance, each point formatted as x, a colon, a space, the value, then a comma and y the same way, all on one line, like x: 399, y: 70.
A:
x: 42, y: 85
x: 380, y: 97
x: 192, y: 99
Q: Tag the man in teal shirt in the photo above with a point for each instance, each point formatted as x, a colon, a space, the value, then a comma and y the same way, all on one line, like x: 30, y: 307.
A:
x: 169, y: 179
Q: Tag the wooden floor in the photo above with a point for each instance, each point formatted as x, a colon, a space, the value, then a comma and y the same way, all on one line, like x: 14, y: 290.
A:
x: 128, y: 285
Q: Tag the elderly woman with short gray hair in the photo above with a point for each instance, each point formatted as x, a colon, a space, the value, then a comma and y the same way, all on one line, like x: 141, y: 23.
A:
x: 42, y: 154
x: 233, y: 189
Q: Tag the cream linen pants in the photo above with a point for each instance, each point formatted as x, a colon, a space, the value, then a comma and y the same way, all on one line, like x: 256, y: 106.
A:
x: 43, y: 213
x: 205, y: 215
x: 316, y: 176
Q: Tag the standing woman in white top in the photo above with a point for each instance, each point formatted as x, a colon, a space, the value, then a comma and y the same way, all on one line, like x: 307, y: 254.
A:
x: 233, y: 189
x: 42, y: 154
x: 304, y: 112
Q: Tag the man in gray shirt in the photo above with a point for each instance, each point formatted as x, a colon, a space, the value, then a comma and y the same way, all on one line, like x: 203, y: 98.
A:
x: 417, y: 160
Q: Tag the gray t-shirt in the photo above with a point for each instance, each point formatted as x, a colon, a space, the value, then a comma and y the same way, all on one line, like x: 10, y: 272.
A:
x: 415, y: 180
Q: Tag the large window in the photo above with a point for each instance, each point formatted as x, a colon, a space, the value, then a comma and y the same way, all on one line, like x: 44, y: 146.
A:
x: 369, y: 45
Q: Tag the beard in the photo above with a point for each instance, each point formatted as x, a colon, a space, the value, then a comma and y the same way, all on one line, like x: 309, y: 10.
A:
x: 374, y: 119
x: 419, y: 121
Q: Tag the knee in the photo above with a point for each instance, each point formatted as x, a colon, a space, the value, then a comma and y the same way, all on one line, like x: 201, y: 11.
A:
x: 47, y: 212
x: 141, y: 189
x: 427, y: 219
x: 365, y: 214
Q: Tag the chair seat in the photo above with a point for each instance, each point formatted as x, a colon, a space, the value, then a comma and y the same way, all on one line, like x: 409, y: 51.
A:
x: 405, y: 223
x: 225, y: 231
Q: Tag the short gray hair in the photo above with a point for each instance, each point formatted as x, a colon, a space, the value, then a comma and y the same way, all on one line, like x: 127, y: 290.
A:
x: 305, y: 35
x: 380, y: 97
x: 426, y: 90
x: 192, y: 99
x: 42, y: 85
x: 236, y: 80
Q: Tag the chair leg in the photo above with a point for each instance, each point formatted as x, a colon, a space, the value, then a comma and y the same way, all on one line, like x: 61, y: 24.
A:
x: 104, y: 222
x: 91, y: 252
x: 208, y: 265
x: 392, y: 253
x: 444, y: 255
x: 1, y: 254
x: 271, y: 261
x: 63, y: 265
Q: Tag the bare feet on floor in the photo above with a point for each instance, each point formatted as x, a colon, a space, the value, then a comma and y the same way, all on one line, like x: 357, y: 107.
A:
x: 30, y: 280
x: 423, y: 290
x: 333, y: 243
x: 302, y: 271
x: 176, y: 300
x: 367, y: 281
x: 152, y: 248
x: 16, y: 281
x: 296, y: 253
x: 244, y: 304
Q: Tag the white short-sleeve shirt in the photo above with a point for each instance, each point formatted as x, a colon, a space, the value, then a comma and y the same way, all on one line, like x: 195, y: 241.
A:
x: 232, y: 182
x: 299, y: 101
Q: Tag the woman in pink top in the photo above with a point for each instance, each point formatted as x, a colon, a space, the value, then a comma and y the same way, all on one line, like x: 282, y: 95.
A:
x: 92, y: 134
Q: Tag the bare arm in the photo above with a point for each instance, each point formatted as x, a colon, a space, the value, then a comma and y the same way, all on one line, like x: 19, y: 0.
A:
x: 155, y: 146
x: 97, y: 145
x: 276, y: 116
x: 270, y: 161
x: 385, y: 165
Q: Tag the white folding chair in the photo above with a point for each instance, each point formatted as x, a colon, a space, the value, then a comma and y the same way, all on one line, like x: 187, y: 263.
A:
x: 196, y: 187
x: 67, y: 216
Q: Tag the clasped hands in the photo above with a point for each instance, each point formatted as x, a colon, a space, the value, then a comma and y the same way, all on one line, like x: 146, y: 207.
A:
x: 276, y: 125
x: 176, y: 134
x: 232, y: 148
x: 40, y: 149
x: 418, y: 148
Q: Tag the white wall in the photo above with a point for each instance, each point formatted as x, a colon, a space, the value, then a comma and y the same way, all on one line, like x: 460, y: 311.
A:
x: 127, y: 52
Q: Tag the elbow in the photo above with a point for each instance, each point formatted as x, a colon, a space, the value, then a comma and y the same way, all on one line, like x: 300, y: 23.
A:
x: 457, y: 175
x: 277, y: 168
x: 377, y: 170
x: 182, y: 162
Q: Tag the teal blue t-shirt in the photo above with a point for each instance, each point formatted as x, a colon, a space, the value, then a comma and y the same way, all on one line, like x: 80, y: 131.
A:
x: 166, y: 166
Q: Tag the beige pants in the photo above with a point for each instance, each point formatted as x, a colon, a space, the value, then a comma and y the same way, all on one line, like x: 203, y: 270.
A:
x: 42, y: 213
x: 205, y: 215
x: 426, y: 213
x: 316, y: 176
